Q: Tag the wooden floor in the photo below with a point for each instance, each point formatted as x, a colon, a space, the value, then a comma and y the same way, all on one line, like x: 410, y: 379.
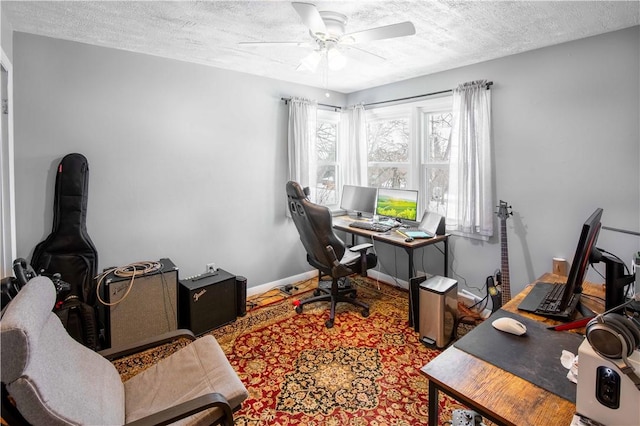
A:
x: 277, y: 294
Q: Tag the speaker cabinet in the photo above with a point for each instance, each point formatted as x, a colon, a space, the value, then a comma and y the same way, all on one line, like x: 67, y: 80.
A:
x: 207, y: 301
x: 241, y: 296
x: 149, y: 309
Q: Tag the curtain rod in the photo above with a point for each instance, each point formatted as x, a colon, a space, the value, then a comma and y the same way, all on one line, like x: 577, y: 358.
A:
x: 337, y: 108
x: 490, y: 83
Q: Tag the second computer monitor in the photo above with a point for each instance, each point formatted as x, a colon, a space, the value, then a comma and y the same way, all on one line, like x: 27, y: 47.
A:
x: 358, y: 200
x: 397, y: 203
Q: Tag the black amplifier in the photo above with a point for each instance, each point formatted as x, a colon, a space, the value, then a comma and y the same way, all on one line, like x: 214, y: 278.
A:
x: 207, y: 301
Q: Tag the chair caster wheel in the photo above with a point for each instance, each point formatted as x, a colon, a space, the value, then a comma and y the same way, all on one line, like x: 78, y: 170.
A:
x: 316, y: 292
x: 298, y: 309
x: 329, y: 323
x: 365, y: 313
x: 352, y: 295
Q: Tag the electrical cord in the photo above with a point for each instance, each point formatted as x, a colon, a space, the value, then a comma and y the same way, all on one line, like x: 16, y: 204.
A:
x: 589, y: 296
x: 255, y: 302
x: 383, y: 270
x: 131, y: 271
x: 621, y: 261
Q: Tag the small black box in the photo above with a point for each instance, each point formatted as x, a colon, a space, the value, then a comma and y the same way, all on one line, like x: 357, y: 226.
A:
x: 207, y: 301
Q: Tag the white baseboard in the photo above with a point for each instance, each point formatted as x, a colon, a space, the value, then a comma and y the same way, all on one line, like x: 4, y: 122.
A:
x: 263, y: 288
x: 465, y: 295
x: 377, y: 275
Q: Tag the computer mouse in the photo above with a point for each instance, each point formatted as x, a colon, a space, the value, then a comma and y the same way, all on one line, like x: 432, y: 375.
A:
x: 509, y: 325
x: 408, y: 239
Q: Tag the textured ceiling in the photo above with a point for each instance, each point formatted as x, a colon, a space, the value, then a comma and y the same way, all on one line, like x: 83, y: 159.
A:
x: 449, y: 34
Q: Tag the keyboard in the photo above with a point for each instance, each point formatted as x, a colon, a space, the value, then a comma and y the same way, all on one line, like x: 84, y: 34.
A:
x: 414, y: 229
x: 551, y: 303
x: 370, y: 226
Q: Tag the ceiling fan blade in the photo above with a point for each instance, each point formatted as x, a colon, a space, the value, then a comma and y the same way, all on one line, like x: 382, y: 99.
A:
x: 310, y: 17
x: 371, y: 54
x: 275, y: 43
x: 379, y: 33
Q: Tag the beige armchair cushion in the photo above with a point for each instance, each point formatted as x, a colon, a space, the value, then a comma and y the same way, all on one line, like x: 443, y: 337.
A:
x: 194, y: 370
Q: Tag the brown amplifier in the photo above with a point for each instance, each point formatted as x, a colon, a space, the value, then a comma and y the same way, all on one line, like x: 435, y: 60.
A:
x: 149, y: 309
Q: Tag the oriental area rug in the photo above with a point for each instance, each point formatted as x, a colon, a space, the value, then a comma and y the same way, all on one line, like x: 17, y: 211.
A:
x: 362, y: 371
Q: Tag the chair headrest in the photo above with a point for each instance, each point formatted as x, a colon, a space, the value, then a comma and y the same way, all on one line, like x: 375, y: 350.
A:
x: 295, y: 191
x: 23, y: 320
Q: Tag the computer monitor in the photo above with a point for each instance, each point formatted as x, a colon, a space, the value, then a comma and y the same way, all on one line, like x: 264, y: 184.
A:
x: 580, y: 263
x: 397, y: 203
x: 358, y: 200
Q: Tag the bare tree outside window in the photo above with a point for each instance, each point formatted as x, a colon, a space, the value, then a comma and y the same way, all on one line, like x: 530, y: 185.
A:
x: 326, y: 158
x: 388, y: 153
x: 436, y: 160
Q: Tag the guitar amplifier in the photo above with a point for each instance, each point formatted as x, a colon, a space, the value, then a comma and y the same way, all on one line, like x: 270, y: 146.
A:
x: 207, y: 301
x: 148, y: 309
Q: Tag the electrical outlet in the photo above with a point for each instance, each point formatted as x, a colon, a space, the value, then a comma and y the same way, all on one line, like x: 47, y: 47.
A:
x: 211, y: 267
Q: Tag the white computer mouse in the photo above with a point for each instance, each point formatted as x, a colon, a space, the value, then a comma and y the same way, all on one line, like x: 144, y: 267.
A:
x: 509, y: 325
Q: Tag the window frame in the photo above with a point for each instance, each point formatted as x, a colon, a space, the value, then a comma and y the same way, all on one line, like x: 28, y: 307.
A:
x: 426, y: 166
x: 415, y: 112
x: 333, y: 117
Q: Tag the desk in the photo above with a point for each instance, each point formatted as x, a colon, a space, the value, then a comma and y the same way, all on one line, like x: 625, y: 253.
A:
x: 498, y: 395
x: 393, y: 238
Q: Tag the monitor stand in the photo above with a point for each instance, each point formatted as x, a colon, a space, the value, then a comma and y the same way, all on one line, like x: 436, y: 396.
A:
x: 615, y: 282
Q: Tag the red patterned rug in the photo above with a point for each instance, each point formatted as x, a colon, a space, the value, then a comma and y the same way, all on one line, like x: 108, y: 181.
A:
x: 363, y: 371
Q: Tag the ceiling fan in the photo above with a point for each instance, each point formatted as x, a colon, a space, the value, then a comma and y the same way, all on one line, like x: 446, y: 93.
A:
x: 329, y: 40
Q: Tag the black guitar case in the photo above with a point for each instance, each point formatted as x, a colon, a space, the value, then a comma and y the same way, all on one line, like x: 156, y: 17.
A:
x: 68, y: 250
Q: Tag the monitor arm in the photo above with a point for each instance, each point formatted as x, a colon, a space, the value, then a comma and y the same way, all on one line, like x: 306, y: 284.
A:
x: 615, y: 278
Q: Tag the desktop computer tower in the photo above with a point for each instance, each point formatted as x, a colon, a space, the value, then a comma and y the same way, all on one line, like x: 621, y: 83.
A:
x: 438, y: 310
x: 605, y: 394
x: 149, y: 309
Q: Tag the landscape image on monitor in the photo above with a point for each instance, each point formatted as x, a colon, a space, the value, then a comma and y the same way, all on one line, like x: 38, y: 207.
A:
x: 396, y: 206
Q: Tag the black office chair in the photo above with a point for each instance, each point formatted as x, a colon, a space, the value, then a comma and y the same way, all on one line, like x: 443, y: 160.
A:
x: 327, y: 253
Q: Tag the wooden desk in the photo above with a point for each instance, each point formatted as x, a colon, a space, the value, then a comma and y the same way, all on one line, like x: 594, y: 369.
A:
x: 498, y: 395
x: 393, y: 238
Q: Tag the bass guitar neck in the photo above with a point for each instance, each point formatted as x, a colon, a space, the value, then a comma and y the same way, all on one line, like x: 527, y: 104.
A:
x: 505, y: 287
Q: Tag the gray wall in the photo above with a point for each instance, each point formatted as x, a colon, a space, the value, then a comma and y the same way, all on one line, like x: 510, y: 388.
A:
x: 188, y: 162
x: 6, y: 36
x: 566, y: 140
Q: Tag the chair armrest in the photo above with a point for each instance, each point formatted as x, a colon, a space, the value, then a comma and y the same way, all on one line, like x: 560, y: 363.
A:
x: 188, y: 408
x: 114, y: 353
x: 337, y: 268
x: 361, y: 247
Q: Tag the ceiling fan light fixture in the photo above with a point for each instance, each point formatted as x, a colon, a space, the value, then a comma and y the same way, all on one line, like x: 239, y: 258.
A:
x: 311, y: 61
x: 336, y: 59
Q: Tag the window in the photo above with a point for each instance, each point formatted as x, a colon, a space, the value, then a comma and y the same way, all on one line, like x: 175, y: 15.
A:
x: 328, y: 185
x: 408, y: 148
x: 388, y: 153
x: 436, y: 128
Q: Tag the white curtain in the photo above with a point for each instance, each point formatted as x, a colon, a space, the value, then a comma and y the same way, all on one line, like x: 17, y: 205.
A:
x: 470, y: 196
x: 301, y: 139
x: 354, y: 151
